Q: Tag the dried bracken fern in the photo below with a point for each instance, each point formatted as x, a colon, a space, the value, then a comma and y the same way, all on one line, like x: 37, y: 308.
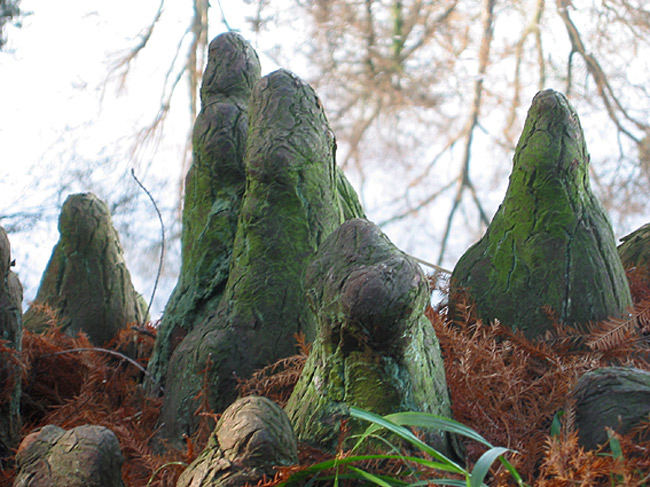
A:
x: 509, y: 388
x: 504, y: 386
x: 277, y: 380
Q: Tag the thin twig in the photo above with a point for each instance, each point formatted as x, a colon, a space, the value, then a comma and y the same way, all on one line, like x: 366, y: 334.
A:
x: 103, y: 350
x: 223, y: 16
x: 464, y: 181
x: 162, y: 249
x: 429, y: 264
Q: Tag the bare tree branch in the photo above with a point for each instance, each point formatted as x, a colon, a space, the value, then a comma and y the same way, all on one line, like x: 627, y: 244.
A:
x: 464, y: 181
x: 122, y: 67
x: 609, y: 99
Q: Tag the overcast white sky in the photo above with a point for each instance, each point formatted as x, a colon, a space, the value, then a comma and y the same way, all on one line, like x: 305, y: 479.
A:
x: 55, y: 106
x: 55, y: 109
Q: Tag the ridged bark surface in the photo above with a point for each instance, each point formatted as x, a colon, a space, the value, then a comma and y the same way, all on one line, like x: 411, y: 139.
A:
x: 86, y: 282
x: 635, y: 251
x: 550, y: 246
x: 253, y: 435
x: 214, y: 186
x: 614, y: 397
x: 293, y: 199
x: 85, y: 456
x: 11, y: 298
x: 375, y: 348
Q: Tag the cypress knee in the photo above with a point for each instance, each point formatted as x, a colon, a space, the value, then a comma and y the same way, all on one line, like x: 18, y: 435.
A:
x: 86, y: 282
x: 291, y: 203
x: 375, y: 348
x: 251, y: 438
x: 635, y: 251
x: 550, y: 248
x: 214, y: 186
x: 11, y: 298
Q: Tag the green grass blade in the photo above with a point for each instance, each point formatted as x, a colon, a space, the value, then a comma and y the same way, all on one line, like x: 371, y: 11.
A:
x: 370, y: 477
x: 427, y: 420
x: 405, y: 434
x: 452, y: 482
x: 321, y: 467
x: 615, y: 445
x: 483, y: 465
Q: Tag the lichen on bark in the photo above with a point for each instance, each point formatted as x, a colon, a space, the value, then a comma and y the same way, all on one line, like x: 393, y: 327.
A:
x: 375, y: 348
x: 293, y: 200
x: 86, y: 282
x: 214, y: 186
x: 549, y: 249
x: 11, y: 297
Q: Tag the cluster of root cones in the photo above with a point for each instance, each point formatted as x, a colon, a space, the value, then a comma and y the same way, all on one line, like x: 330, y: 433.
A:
x: 505, y: 387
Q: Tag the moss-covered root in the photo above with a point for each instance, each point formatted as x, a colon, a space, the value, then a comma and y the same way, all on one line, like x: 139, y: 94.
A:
x: 375, y: 348
x: 252, y: 437
x: 213, y: 190
x: 550, y: 246
x: 635, y: 251
x: 86, y: 282
x: 291, y: 203
x: 11, y: 297
x: 85, y: 456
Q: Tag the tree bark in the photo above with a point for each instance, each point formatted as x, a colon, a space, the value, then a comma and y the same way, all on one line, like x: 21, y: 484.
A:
x: 294, y: 198
x: 550, y: 247
x: 214, y: 187
x: 375, y: 348
x: 11, y: 298
x: 86, y: 282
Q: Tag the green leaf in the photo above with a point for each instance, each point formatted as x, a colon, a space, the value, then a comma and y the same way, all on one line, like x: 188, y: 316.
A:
x: 427, y: 420
x: 614, y: 445
x: 556, y: 425
x: 483, y: 465
x: 372, y: 478
x: 452, y: 482
x: 406, y: 435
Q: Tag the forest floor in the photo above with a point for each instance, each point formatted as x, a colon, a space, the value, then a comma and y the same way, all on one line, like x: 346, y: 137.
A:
x: 503, y: 386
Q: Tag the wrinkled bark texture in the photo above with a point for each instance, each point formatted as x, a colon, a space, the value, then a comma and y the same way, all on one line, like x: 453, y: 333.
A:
x: 86, y: 282
x: 253, y: 435
x: 85, y: 456
x: 11, y: 298
x: 615, y: 397
x: 293, y: 200
x: 550, y: 243
x: 635, y: 251
x: 214, y: 186
x: 375, y: 348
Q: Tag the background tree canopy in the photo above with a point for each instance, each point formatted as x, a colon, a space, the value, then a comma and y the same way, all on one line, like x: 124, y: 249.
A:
x: 427, y: 99
x: 8, y: 11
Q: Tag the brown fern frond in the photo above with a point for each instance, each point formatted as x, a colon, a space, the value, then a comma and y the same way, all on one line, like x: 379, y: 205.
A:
x: 275, y: 381
x: 612, y: 334
x: 304, y: 347
x: 207, y: 417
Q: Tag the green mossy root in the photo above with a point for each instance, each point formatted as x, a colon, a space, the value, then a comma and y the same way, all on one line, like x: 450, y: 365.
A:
x: 550, y: 247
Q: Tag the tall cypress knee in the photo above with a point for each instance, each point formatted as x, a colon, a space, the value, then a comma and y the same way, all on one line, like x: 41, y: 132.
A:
x: 550, y: 248
x: 214, y: 187
x: 291, y: 203
x: 11, y: 297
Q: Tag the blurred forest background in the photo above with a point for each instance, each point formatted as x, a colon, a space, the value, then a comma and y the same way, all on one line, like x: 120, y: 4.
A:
x: 426, y: 98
